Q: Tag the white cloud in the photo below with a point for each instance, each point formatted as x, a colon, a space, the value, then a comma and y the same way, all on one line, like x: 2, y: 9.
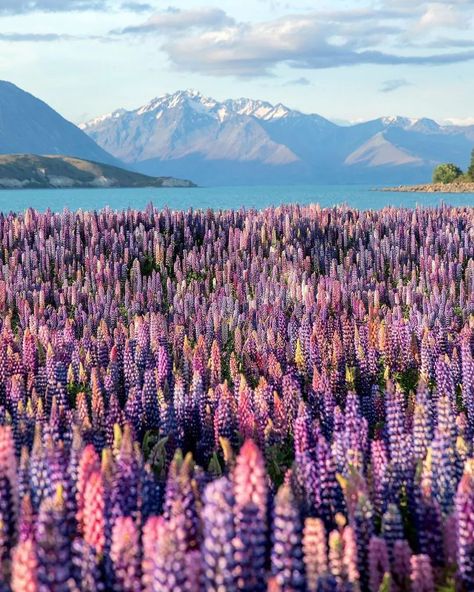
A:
x: 174, y: 19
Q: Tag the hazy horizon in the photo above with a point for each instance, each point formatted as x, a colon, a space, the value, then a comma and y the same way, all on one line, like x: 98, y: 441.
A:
x: 89, y: 57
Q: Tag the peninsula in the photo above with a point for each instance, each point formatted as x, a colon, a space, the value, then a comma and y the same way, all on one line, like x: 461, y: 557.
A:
x: 29, y: 171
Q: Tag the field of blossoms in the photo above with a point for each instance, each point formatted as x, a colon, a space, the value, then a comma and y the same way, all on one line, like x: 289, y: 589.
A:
x: 277, y: 400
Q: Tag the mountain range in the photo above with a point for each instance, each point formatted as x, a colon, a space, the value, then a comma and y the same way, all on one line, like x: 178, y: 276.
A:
x: 250, y: 141
x: 244, y: 141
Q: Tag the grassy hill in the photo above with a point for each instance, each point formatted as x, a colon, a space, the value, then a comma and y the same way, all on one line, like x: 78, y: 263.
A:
x: 28, y: 171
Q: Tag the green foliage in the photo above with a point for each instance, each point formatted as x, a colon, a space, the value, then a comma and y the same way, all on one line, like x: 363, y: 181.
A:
x: 470, y: 170
x: 147, y: 265
x: 154, y: 450
x: 215, y: 466
x: 407, y: 380
x: 279, y: 458
x: 386, y: 585
x: 446, y: 173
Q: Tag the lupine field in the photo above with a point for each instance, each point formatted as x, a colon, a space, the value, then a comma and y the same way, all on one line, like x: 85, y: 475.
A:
x: 234, y: 401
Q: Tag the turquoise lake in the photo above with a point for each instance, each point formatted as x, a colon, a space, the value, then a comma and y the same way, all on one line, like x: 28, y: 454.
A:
x: 357, y: 196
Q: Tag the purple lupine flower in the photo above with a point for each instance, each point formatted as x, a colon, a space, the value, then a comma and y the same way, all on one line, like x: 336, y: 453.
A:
x: 379, y: 563
x: 401, y: 564
x: 314, y: 551
x: 421, y: 574
x: 87, y: 569
x: 392, y: 528
x: 250, y: 518
x: 465, y: 526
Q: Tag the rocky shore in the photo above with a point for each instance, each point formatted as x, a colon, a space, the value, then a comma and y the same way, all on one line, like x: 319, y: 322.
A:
x: 434, y: 188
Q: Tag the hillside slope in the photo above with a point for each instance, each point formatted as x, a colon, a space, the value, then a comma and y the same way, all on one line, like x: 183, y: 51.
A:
x: 30, y: 126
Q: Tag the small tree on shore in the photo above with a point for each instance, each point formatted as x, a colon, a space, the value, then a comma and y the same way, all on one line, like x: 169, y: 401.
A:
x: 446, y: 173
x: 470, y: 170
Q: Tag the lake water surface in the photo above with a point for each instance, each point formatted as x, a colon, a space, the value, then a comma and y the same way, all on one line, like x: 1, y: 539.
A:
x: 358, y: 196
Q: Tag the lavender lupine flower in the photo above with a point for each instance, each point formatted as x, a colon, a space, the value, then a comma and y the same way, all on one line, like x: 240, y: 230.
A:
x: 287, y: 552
x: 182, y: 494
x: 169, y: 566
x: 444, y: 458
x: 380, y: 475
x: 218, y: 531
x: 151, y: 533
x: 429, y: 524
x: 53, y: 546
x: 125, y: 555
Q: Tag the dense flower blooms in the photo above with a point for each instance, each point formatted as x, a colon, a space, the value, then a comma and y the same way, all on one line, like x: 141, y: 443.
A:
x: 241, y: 400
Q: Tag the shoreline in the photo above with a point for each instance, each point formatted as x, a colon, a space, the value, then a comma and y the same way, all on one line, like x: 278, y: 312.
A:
x: 432, y: 188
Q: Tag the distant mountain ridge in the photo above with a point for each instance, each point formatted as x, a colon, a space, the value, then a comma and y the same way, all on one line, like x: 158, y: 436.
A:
x: 253, y: 141
x: 30, y: 126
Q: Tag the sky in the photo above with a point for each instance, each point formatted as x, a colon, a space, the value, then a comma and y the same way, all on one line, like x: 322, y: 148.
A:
x: 348, y: 60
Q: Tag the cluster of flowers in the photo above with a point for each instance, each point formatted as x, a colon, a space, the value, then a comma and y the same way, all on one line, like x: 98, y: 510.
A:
x: 237, y: 401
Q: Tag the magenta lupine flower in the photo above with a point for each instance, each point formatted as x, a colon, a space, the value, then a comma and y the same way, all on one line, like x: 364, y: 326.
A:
x: 93, y: 517
x: 24, y: 564
x: 380, y: 475
x: 88, y: 464
x: 24, y: 577
x: 9, y: 501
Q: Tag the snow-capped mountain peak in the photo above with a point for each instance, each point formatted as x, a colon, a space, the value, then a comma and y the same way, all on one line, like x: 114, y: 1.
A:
x: 258, y: 109
x: 422, y: 124
x: 102, y: 118
x: 188, y: 134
